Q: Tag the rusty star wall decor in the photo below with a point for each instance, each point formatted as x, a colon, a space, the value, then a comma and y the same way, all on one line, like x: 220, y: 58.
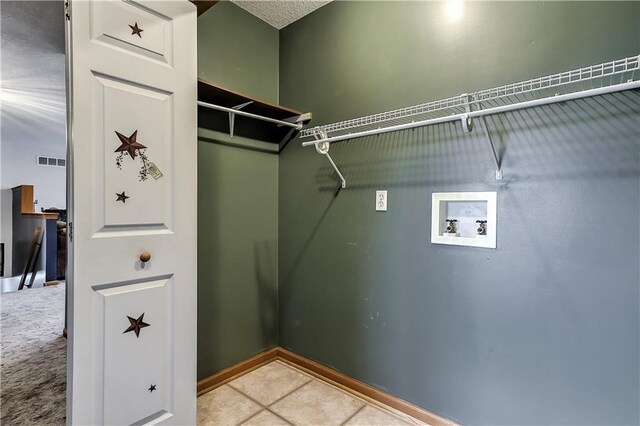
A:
x: 152, y: 388
x: 122, y: 197
x: 135, y: 30
x: 136, y: 325
x: 129, y: 144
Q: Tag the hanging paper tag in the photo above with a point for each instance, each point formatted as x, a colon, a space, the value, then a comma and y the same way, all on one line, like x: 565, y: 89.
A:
x: 154, y: 171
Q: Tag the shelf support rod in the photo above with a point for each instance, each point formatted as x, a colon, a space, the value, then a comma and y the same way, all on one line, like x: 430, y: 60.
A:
x: 467, y: 126
x: 494, y: 154
x: 232, y: 116
x: 344, y: 182
x: 467, y: 123
x: 250, y: 115
x: 323, y: 148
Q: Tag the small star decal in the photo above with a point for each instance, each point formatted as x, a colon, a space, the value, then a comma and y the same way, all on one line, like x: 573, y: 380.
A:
x: 152, y: 388
x: 136, y: 324
x: 129, y: 144
x: 122, y: 197
x: 135, y: 30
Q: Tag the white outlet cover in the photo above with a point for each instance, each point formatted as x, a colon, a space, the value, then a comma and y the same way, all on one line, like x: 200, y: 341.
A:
x: 381, y: 200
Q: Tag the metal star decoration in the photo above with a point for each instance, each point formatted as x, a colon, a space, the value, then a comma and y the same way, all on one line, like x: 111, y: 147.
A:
x: 136, y: 325
x: 152, y: 388
x: 129, y: 144
x: 122, y: 197
x: 135, y: 30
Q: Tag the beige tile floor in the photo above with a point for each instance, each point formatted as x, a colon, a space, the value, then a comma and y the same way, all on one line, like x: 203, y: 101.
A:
x: 279, y: 394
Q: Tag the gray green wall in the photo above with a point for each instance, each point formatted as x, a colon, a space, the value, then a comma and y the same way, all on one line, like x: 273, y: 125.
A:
x: 237, y: 199
x: 238, y: 51
x: 542, y: 330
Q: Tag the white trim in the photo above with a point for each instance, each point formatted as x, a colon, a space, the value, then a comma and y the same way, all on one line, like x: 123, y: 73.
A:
x: 437, y: 237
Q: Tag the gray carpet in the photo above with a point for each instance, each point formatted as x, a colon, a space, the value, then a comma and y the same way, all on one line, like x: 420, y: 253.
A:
x: 33, y: 365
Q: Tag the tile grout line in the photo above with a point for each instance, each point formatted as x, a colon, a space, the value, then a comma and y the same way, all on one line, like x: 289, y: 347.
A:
x: 310, y: 378
x: 260, y: 403
x: 354, y: 414
x: 265, y: 407
x: 247, y: 396
x: 268, y: 408
x: 403, y: 417
x: 250, y: 417
x: 262, y: 407
x: 279, y: 416
x: 240, y: 423
x: 289, y: 393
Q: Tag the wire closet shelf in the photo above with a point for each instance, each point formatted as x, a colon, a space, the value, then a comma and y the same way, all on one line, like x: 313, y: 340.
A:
x: 608, y: 77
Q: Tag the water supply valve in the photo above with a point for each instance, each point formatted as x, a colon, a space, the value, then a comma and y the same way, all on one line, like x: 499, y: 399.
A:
x: 451, y: 226
x: 482, y: 227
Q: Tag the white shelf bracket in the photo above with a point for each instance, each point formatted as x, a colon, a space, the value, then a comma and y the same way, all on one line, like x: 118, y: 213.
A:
x: 492, y: 147
x: 323, y: 148
x: 232, y: 116
x: 467, y: 127
x: 467, y: 123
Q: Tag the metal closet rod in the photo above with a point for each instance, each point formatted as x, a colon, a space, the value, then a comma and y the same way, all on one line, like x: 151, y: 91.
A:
x: 297, y: 126
x: 489, y: 111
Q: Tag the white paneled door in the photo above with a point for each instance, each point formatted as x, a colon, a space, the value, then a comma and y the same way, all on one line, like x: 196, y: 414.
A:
x: 132, y: 198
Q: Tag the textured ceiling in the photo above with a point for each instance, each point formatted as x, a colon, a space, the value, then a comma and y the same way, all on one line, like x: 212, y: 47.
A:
x: 280, y: 13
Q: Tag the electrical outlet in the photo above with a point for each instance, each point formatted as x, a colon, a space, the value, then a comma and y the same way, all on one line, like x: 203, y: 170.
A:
x: 381, y: 201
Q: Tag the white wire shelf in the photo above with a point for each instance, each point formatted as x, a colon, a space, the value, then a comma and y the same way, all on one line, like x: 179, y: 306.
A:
x: 608, y: 77
x: 608, y: 74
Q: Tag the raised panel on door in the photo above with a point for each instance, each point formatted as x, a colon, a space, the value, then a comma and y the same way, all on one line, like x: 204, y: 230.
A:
x: 135, y: 337
x: 133, y: 27
x: 133, y: 136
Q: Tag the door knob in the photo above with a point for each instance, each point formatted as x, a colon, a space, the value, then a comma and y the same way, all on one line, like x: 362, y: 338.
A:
x: 145, y: 256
